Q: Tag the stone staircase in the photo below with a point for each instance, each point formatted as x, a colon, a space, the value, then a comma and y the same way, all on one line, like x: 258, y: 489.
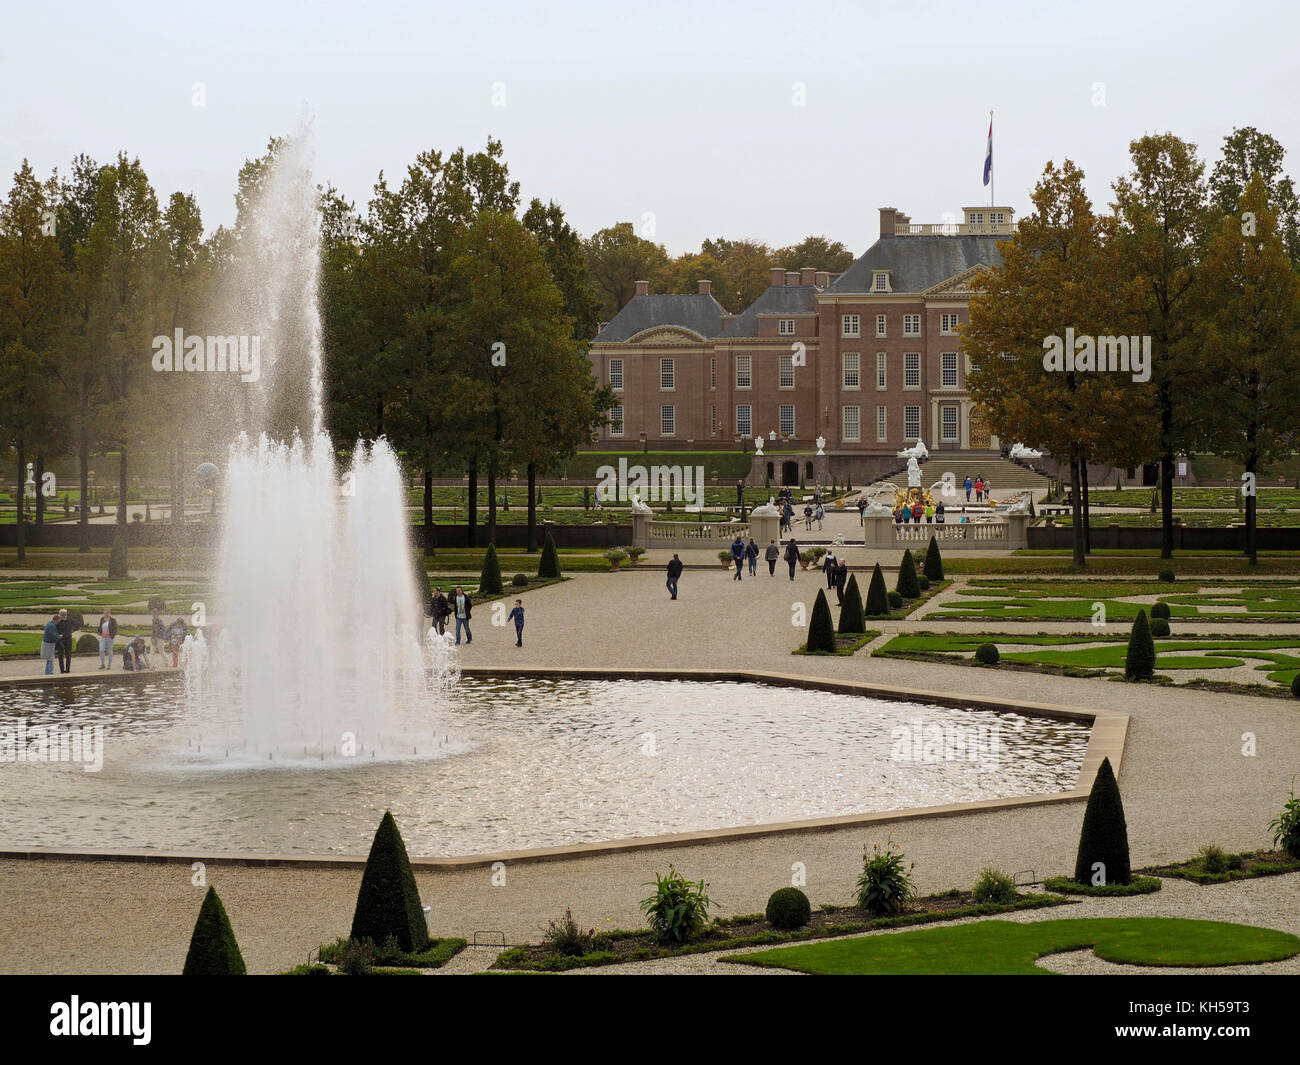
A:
x: 1006, y: 477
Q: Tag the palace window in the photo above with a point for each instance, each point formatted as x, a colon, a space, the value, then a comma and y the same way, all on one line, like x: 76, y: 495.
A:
x: 948, y: 323
x: 667, y: 375
x: 880, y: 281
x: 880, y: 325
x: 851, y: 326
x: 911, y: 423
x: 785, y: 327
x: 882, y: 376
x: 882, y: 423
x: 948, y: 370
x: 744, y: 419
x: 744, y: 371
x: 852, y: 374
x: 787, y: 420
x: 616, y: 374
x: 852, y: 424
x: 667, y: 421
x: 787, y: 371
x: 948, y: 420
x: 615, y: 421
x: 912, y: 369
x: 713, y: 373
x: 911, y: 325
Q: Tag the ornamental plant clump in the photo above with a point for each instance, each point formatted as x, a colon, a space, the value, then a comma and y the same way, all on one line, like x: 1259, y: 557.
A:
x: 1159, y: 627
x: 994, y: 886
x: 895, y: 601
x: 986, y: 654
x: 821, y: 631
x: 678, y: 911
x: 788, y: 908
x: 1160, y: 610
x: 885, y: 886
x: 566, y: 937
x: 1286, y: 827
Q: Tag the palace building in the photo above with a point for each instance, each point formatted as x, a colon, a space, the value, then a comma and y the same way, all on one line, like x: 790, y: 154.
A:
x: 870, y: 360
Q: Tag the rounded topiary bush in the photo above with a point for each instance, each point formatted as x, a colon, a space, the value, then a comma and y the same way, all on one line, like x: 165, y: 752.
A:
x: 519, y: 580
x: 1167, y: 576
x: 994, y: 886
x: 788, y: 908
x: 1295, y: 686
x: 1160, y: 610
x: 87, y: 644
x: 895, y: 601
x: 1159, y: 627
x: 924, y: 582
x: 986, y: 654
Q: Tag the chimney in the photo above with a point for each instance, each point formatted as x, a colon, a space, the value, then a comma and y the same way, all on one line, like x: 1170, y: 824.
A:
x: 791, y: 277
x: 706, y: 288
x: 888, y: 221
x: 777, y: 276
x: 807, y: 274
x: 643, y: 288
x: 823, y: 279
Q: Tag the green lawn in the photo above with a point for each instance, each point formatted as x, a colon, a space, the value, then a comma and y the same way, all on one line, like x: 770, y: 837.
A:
x: 89, y: 594
x: 1010, y: 948
x: 1029, y: 600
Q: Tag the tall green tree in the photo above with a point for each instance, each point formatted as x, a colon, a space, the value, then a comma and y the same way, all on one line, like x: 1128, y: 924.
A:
x: 1160, y: 217
x: 1246, y: 339
x: 1247, y: 152
x: 819, y: 252
x: 617, y: 258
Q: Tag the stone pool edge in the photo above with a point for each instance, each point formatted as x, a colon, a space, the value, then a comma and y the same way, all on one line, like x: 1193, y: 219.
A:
x: 1107, y: 736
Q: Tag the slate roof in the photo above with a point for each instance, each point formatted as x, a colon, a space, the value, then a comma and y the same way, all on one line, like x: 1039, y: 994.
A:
x: 777, y: 298
x: 699, y: 313
x: 918, y: 263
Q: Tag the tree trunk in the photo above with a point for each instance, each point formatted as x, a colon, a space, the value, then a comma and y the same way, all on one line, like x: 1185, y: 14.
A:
x: 1252, y: 461
x: 492, y: 501
x: 1076, y: 507
x: 20, y: 498
x: 1087, y: 508
x: 532, y: 507
x: 83, y: 456
x: 40, y: 495
x: 121, y: 488
x: 1167, y: 505
x: 430, y: 536
x: 471, y: 507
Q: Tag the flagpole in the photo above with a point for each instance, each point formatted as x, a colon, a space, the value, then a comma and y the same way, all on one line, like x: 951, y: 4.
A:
x: 992, y: 180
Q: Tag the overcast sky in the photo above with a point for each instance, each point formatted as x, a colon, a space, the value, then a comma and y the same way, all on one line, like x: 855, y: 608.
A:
x: 687, y: 111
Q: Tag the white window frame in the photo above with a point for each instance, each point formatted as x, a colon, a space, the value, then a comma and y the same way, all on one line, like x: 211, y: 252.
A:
x: 616, y: 374
x: 948, y: 322
x: 881, y: 326
x: 616, y: 420
x: 880, y: 281
x: 911, y: 325
x: 908, y: 414
x: 909, y: 370
x: 851, y: 373
x: 944, y: 411
x: 781, y: 419
x: 882, y: 424
x: 747, y: 363
x: 713, y: 374
x: 850, y: 325
x: 667, y: 372
x: 785, y: 327
x: 785, y: 372
x: 748, y: 416
x: 854, y: 434
x: 946, y: 368
x: 668, y: 420
x: 882, y: 371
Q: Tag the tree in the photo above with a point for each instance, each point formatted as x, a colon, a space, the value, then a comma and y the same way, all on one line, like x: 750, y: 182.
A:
x: 1247, y: 152
x: 817, y: 252
x: 213, y: 949
x: 851, y: 619
x: 117, y: 564
x: 1160, y: 216
x: 746, y: 266
x: 821, y: 630
x: 1054, y: 277
x: 1246, y: 339
x: 549, y: 566
x: 617, y: 258
x: 388, y: 903
x: 877, y: 595
x: 1140, y: 661
x: 908, y: 586
x: 933, y: 561
x: 1103, y: 840
x: 489, y: 581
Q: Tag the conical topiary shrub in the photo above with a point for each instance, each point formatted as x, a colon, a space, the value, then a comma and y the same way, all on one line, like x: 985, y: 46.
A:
x: 851, y: 619
x: 423, y: 589
x: 933, y: 566
x: 1140, y: 662
x: 117, y: 569
x: 1103, y: 841
x: 388, y: 903
x: 550, y: 563
x: 213, y: 950
x: 907, y: 585
x: 489, y: 581
x: 877, y: 605
x: 821, y: 631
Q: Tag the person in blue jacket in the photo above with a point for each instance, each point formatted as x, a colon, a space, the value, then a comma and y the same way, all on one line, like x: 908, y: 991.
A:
x: 517, y: 616
x: 751, y: 556
x: 49, y: 639
x: 738, y: 554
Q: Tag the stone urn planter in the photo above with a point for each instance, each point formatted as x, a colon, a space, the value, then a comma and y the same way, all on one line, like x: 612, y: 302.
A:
x: 615, y: 558
x: 725, y: 558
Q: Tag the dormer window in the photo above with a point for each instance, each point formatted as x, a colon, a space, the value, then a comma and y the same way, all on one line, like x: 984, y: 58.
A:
x: 785, y: 327
x: 880, y: 281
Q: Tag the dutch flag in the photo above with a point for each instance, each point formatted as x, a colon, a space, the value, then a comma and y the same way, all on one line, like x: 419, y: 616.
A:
x: 988, y: 154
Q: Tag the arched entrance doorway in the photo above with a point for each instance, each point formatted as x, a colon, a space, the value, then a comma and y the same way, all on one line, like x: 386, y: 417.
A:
x: 790, y: 472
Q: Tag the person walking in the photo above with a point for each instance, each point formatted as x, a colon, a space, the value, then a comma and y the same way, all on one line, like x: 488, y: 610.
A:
x: 828, y: 567
x: 49, y: 640
x: 463, y: 611
x: 917, y: 511
x: 841, y: 577
x: 929, y: 513
x: 968, y: 487
x: 987, y: 490
x: 862, y: 510
x: 938, y: 513
x: 439, y: 611
x: 979, y: 490
x: 64, y: 649
x: 178, y: 633
x: 792, y: 555
x: 819, y: 513
x: 517, y: 616
x: 751, y: 556
x: 772, y: 554
x: 807, y: 517
x: 674, y: 574
x: 738, y: 555
x: 107, y: 631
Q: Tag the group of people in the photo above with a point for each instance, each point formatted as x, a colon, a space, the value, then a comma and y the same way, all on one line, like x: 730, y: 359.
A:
x: 931, y: 512
x: 58, y: 642
x: 460, y: 606
x: 745, y: 554
x: 980, y: 486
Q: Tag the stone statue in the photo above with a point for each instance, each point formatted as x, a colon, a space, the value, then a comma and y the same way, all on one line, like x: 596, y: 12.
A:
x: 638, y: 507
x: 913, y: 473
x: 766, y: 510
